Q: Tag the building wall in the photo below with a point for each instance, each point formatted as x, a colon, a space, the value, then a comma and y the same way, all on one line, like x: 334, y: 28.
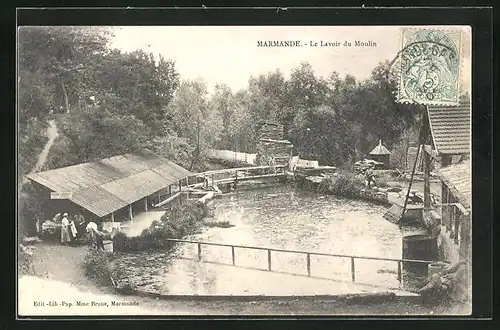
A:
x: 381, y: 158
x: 455, y: 236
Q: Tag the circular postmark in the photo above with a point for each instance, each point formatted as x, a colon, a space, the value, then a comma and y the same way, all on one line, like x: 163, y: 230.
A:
x: 430, y: 66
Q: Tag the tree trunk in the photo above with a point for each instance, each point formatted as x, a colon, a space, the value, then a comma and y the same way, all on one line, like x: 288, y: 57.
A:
x: 65, y: 95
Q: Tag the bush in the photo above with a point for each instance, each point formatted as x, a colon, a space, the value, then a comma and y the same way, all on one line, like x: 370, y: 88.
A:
x: 345, y: 185
x: 25, y: 260
x: 351, y: 186
x: 174, y: 224
x: 97, y: 266
x: 381, y: 182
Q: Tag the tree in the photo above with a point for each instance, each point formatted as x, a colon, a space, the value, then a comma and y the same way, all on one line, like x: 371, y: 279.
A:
x: 95, y: 133
x: 194, y: 119
x: 224, y: 104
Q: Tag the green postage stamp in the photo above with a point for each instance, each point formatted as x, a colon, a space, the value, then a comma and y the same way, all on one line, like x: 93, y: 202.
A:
x: 430, y: 66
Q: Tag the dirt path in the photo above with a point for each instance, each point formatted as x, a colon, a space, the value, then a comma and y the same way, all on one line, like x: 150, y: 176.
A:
x: 62, y: 263
x: 51, y: 135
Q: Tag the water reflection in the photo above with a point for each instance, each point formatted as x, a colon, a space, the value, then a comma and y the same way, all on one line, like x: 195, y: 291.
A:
x: 283, y: 218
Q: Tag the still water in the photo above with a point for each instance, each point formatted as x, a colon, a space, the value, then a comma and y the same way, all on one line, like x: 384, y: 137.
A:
x: 284, y: 218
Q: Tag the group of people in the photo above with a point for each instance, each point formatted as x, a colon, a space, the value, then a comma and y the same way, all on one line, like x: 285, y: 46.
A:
x: 74, y: 229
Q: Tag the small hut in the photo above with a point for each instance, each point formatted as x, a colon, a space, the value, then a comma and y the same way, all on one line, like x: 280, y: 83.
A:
x: 381, y: 154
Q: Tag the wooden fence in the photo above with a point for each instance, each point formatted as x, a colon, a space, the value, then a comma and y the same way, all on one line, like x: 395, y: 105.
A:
x: 308, y: 255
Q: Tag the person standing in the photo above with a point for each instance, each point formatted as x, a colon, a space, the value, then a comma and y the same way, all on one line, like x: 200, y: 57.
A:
x: 65, y: 230
x: 93, y: 230
x: 369, y: 176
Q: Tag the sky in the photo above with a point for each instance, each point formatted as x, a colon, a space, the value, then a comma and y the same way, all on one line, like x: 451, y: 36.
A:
x: 229, y: 54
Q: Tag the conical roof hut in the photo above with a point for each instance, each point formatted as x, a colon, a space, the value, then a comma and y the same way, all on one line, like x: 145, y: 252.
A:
x: 380, y: 154
x: 380, y: 149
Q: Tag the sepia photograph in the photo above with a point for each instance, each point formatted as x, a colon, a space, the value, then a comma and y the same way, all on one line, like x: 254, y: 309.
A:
x: 244, y: 170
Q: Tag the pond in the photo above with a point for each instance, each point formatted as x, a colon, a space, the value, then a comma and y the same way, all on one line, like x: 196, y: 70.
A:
x: 284, y: 218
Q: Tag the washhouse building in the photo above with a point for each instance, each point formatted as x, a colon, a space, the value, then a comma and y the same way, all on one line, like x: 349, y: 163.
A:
x: 111, y: 189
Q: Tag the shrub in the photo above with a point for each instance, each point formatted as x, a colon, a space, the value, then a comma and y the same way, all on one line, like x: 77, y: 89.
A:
x: 347, y: 185
x: 99, y: 268
x: 174, y: 224
x: 96, y: 266
x: 25, y: 260
x: 381, y: 182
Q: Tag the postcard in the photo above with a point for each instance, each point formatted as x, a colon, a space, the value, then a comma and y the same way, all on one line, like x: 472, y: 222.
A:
x: 244, y: 170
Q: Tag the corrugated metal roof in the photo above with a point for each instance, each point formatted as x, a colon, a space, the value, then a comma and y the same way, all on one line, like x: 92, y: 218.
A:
x: 458, y: 179
x: 110, y: 184
x: 450, y: 129
x: 380, y: 149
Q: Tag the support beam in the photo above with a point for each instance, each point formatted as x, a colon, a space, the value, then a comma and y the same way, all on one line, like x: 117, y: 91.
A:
x: 131, y: 213
x: 145, y: 204
x: 112, y: 217
x: 427, y: 174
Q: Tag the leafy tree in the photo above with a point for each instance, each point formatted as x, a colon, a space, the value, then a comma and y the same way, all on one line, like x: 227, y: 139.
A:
x: 194, y: 119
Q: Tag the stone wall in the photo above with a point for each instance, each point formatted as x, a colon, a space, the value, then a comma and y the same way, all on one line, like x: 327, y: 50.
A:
x: 271, y: 147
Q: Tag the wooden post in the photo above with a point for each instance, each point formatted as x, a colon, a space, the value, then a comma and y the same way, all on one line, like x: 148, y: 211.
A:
x: 269, y: 260
x: 213, y: 182
x: 427, y: 186
x: 199, y: 252
x: 353, y: 270
x: 112, y: 217
x: 145, y: 204
x: 308, y: 264
x: 232, y: 255
x: 400, y: 278
x: 235, y: 178
x: 159, y: 196
x: 456, y: 219
x: 131, y: 213
x: 169, y: 190
x: 180, y: 185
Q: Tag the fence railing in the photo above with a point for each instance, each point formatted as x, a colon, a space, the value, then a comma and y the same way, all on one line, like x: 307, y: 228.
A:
x: 239, y: 174
x: 308, y: 256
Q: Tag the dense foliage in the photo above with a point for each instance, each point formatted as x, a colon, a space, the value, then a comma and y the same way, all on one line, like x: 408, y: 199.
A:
x: 178, y: 222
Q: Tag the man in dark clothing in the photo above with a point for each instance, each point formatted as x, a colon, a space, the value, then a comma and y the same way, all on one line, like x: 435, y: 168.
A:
x: 369, y: 176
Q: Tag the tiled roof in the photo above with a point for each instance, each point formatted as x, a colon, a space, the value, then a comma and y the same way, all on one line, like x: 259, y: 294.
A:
x: 450, y: 129
x: 380, y: 149
x: 110, y: 184
x: 458, y: 179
